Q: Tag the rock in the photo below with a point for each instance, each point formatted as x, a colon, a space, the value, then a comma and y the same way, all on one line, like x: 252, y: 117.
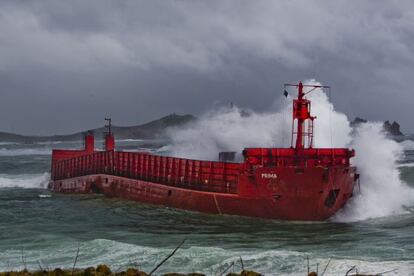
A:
x: 393, y: 129
x: 181, y: 274
x: 249, y: 273
x: 132, y: 272
x: 90, y: 271
x: 357, y: 121
x: 58, y: 272
x: 103, y: 269
x: 245, y: 273
x: 390, y: 128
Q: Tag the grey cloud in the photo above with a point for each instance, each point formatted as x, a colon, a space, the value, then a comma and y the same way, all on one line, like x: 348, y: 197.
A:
x: 65, y: 64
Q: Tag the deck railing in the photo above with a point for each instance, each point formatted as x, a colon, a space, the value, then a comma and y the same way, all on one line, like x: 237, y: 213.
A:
x: 179, y: 172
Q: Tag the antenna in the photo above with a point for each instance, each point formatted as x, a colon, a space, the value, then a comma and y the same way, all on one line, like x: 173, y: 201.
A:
x: 109, y: 125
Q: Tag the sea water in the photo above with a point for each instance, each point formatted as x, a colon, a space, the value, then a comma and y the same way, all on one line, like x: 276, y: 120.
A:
x: 373, y: 233
x: 43, y: 230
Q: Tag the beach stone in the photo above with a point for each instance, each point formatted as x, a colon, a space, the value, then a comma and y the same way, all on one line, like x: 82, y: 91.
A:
x: 181, y: 274
x: 103, y: 269
x: 245, y: 273
x: 90, y: 271
x: 135, y: 272
x: 249, y: 273
x: 58, y: 272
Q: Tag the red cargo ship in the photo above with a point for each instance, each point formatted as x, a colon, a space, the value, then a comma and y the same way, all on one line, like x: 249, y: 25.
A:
x: 296, y: 183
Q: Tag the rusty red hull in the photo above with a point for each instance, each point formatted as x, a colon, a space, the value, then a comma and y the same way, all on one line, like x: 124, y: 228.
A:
x: 310, y: 195
x: 296, y: 183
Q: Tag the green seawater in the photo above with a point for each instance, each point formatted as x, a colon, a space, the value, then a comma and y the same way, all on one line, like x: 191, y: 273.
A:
x: 40, y: 229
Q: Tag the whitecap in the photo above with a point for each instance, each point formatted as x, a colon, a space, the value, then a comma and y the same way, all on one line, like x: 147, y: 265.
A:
x: 25, y: 151
x: 24, y: 181
x: 208, y: 260
x: 407, y: 144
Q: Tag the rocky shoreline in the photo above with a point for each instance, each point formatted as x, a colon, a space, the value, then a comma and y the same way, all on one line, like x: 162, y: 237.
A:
x: 393, y: 129
x: 104, y: 270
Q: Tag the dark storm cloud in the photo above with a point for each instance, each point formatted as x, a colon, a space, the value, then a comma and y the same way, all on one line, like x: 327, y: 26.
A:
x: 64, y: 65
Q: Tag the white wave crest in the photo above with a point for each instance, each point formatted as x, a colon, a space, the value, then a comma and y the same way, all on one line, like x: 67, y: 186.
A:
x: 208, y: 260
x: 25, y: 151
x: 382, y: 191
x: 408, y: 165
x: 24, y: 181
x: 8, y: 143
x: 407, y: 144
x: 225, y: 129
x: 232, y: 129
x: 130, y: 140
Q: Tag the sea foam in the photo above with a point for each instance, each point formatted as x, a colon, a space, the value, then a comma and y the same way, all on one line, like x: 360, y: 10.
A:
x: 24, y: 180
x: 407, y: 144
x: 208, y: 260
x: 382, y: 193
x: 24, y: 151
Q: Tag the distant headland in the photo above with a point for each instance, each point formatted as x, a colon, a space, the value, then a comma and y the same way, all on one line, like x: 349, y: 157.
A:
x: 151, y: 130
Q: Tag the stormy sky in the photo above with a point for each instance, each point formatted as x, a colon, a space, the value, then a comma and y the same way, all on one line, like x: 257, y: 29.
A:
x: 64, y: 65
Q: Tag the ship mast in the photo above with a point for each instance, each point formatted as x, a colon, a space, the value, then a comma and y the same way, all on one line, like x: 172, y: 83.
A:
x: 109, y: 125
x: 301, y: 115
x: 109, y: 137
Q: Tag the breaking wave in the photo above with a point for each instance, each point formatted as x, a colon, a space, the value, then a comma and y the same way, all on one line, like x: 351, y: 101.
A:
x: 208, y: 260
x: 383, y: 193
x: 402, y: 165
x: 8, y: 143
x: 232, y: 129
x: 24, y: 180
x: 130, y: 140
x: 407, y: 144
x: 25, y: 151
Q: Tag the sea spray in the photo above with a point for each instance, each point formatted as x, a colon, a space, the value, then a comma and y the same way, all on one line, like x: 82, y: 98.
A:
x: 24, y: 181
x: 228, y: 129
x: 210, y: 260
x: 332, y: 128
x: 407, y: 144
x: 382, y: 192
x: 232, y: 129
x: 24, y: 151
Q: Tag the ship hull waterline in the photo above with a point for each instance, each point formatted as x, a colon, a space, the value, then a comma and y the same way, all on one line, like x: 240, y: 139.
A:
x: 312, y: 195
